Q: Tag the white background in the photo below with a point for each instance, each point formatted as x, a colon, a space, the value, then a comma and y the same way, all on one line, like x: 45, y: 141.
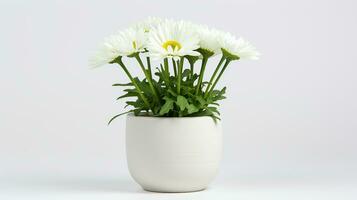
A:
x: 289, y: 120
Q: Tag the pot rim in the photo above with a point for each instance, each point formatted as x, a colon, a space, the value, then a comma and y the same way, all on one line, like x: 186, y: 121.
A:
x: 155, y: 117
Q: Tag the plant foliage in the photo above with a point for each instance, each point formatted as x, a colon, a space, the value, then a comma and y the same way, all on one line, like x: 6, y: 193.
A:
x: 179, y: 92
x: 175, y: 87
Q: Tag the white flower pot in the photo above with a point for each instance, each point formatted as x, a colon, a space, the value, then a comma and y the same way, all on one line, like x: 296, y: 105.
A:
x: 173, y: 154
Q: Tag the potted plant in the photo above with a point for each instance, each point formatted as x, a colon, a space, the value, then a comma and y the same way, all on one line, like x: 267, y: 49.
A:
x: 173, y: 131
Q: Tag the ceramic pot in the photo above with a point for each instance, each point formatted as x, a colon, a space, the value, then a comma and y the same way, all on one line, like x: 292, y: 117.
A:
x: 176, y: 154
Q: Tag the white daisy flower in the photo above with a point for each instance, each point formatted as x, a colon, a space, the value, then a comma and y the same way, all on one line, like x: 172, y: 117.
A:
x: 148, y: 24
x: 208, y: 39
x: 131, y: 41
x: 107, y: 52
x: 172, y: 39
x: 124, y: 43
x: 238, y: 48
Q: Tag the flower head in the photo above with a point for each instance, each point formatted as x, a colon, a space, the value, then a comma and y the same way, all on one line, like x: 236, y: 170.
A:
x: 131, y: 41
x: 237, y: 48
x: 107, y: 52
x: 148, y: 24
x: 208, y: 39
x: 165, y: 38
x: 172, y: 39
x: 123, y: 43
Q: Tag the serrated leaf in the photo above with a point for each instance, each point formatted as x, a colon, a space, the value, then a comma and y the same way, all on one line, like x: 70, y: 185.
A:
x: 181, y: 102
x: 223, y: 91
x: 135, y: 104
x: 169, y: 104
x: 201, y: 100
x: 216, y: 92
x: 213, y: 110
x: 219, y: 98
x: 191, y: 109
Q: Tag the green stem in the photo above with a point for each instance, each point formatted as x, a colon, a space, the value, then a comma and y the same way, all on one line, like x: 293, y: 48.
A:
x: 220, y: 74
x: 120, y: 62
x: 192, y: 60
x: 141, y: 63
x: 164, y: 77
x: 192, y: 65
x: 167, y: 72
x: 149, y: 66
x: 179, y: 75
x: 214, y: 74
x: 147, y: 75
x: 202, y: 71
x: 174, y: 66
x: 166, y: 67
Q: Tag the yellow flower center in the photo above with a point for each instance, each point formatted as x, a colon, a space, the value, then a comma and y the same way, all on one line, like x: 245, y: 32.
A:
x: 173, y: 44
x: 134, y: 44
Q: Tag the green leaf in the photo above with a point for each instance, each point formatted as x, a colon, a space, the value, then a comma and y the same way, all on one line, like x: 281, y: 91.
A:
x: 130, y: 90
x: 215, y: 92
x: 135, y: 104
x: 137, y: 111
x: 173, y: 93
x: 219, y: 98
x: 123, y: 84
x: 191, y: 109
x: 213, y: 110
x: 223, y: 91
x: 156, y: 109
x: 181, y: 102
x: 201, y: 113
x: 110, y: 121
x: 201, y: 100
x: 186, y: 73
x: 129, y: 94
x: 169, y: 104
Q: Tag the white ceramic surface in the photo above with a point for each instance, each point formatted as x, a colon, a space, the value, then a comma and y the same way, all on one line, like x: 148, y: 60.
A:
x: 173, y: 154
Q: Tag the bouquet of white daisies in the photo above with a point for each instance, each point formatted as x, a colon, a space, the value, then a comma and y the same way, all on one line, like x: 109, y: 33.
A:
x: 167, y: 52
